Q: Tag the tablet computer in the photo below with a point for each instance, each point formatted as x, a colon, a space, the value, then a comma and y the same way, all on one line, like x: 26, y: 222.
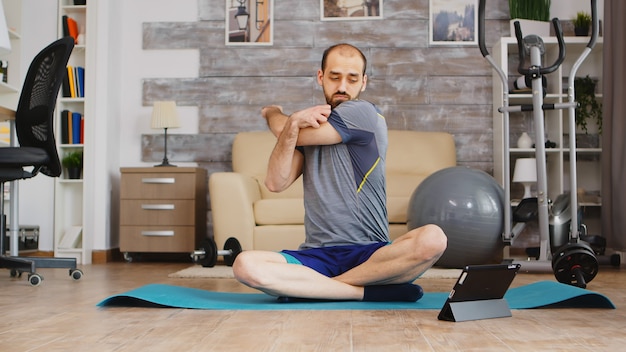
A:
x: 479, y: 293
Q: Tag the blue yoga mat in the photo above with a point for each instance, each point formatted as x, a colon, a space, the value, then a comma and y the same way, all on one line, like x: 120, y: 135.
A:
x: 543, y: 294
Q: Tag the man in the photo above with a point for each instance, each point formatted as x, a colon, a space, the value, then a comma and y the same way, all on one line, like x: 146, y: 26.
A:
x: 339, y: 148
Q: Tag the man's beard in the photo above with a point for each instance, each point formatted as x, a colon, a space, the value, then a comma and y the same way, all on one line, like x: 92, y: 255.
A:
x: 334, y: 102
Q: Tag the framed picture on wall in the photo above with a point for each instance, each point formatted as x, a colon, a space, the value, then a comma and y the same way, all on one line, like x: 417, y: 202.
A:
x: 249, y: 22
x: 453, y: 22
x: 347, y: 10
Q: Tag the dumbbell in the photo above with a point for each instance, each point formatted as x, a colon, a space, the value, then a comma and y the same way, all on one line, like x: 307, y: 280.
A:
x: 207, y: 254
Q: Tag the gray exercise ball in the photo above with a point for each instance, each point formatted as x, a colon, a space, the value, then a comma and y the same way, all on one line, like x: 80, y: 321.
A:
x: 468, y: 205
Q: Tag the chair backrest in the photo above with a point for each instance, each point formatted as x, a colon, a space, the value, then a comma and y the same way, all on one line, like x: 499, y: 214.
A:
x: 34, y: 117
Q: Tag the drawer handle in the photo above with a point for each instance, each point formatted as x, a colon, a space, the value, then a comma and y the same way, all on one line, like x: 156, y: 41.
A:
x: 158, y: 233
x: 159, y: 180
x: 157, y: 206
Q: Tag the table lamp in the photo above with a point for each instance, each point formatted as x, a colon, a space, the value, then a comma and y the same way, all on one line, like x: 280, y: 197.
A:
x: 525, y: 173
x: 164, y: 115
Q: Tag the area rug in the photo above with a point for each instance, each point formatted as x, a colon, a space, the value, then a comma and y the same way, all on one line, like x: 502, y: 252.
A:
x: 226, y: 272
x: 198, y: 271
x: 542, y: 294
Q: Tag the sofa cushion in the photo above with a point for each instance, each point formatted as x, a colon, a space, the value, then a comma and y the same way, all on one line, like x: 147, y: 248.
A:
x: 288, y: 211
x: 396, y: 209
x: 400, y: 188
x: 278, y: 237
x: 421, y: 153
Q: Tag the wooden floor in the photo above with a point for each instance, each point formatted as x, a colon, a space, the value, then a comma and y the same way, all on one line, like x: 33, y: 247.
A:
x: 61, y: 315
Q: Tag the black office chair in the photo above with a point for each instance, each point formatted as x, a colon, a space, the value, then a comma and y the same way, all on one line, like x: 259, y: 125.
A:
x: 34, y: 125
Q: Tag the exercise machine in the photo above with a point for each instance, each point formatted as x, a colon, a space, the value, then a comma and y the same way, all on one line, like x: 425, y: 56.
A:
x: 574, y: 262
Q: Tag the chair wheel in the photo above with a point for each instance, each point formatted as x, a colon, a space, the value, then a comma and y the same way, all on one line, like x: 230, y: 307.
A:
x: 35, y: 279
x: 76, y: 274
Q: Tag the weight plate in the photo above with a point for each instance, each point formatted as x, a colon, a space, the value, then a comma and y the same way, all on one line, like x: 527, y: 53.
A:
x: 210, y: 253
x: 567, y: 263
x: 234, y: 246
x: 581, y: 245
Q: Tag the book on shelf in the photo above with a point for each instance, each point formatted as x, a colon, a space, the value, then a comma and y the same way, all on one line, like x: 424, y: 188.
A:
x: 66, y: 28
x: 70, y: 27
x: 70, y: 78
x: 65, y: 138
x: 74, y: 82
x: 72, y: 127
x: 76, y: 129
x: 65, y: 87
x: 80, y: 80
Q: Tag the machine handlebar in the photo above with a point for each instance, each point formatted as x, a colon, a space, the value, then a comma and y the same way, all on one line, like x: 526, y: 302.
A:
x: 518, y: 33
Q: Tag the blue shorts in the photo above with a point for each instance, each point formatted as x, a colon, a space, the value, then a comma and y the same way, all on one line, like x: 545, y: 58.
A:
x: 332, y: 261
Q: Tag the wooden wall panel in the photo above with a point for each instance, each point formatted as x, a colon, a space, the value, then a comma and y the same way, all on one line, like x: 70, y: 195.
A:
x: 418, y: 87
x: 254, y: 62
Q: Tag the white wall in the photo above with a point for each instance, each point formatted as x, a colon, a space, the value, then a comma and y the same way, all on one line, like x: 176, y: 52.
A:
x: 126, y: 68
x: 36, y: 205
x: 138, y: 64
x: 567, y: 9
x: 122, y: 60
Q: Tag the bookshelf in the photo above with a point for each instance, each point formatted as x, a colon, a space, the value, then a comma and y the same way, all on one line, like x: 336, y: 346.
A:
x: 70, y: 237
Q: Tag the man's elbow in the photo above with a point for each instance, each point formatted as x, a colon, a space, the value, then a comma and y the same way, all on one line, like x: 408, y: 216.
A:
x: 273, y: 186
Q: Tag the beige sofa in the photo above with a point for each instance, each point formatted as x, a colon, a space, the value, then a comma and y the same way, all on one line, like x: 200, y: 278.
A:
x: 243, y: 208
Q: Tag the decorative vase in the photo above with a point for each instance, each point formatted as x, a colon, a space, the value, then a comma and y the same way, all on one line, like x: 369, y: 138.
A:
x: 524, y: 141
x: 73, y: 173
x: 581, y: 31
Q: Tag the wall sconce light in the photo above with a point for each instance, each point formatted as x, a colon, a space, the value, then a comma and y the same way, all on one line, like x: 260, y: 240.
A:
x: 526, y: 174
x: 242, y: 15
x: 164, y: 115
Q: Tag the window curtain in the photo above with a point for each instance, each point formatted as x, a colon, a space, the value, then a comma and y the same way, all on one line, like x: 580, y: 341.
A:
x: 614, y: 126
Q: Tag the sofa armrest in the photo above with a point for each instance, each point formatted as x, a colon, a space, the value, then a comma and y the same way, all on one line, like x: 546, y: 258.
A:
x: 232, y: 198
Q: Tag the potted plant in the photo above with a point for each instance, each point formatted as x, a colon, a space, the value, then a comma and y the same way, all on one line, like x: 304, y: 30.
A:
x: 582, y: 22
x: 588, y: 106
x: 533, y: 15
x: 73, y: 162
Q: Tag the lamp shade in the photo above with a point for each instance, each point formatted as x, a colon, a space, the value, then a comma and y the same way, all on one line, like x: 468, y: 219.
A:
x: 164, y: 115
x: 525, y: 170
x: 5, y: 41
x: 525, y: 173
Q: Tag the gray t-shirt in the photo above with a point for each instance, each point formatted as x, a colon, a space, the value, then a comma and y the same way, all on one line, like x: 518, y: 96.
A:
x: 344, y: 184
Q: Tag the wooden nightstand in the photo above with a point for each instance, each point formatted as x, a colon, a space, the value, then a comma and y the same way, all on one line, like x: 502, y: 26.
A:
x: 162, y: 210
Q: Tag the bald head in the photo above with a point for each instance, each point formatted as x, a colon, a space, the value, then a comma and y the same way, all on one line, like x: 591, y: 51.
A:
x: 345, y: 50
